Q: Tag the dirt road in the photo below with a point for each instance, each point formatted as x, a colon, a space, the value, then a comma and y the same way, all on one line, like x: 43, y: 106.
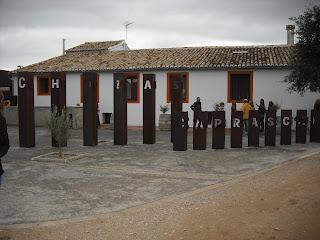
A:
x: 282, y: 203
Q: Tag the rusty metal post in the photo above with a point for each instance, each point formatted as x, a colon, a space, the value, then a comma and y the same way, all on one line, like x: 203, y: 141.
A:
x: 149, y: 106
x: 315, y: 126
x: 180, y: 136
x: 200, y: 130
x: 253, y: 131
x: 286, y: 122
x: 26, y: 109
x: 270, y: 128
x: 176, y: 99
x: 58, y: 95
x: 236, y: 129
x: 218, y: 129
x: 120, y: 109
x: 301, y: 126
x: 90, y: 132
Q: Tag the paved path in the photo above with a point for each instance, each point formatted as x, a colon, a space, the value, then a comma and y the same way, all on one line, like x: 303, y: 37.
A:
x: 112, y: 178
x: 278, y: 204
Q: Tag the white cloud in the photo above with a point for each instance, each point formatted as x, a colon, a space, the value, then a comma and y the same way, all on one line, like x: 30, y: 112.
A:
x: 31, y: 30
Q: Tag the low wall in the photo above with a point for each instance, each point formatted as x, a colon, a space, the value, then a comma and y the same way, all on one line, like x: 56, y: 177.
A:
x: 41, y: 115
x: 77, y: 116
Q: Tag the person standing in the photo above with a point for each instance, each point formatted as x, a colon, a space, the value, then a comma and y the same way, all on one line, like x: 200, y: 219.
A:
x: 252, y: 105
x: 196, y: 108
x: 246, y: 107
x: 270, y: 106
x: 262, y: 113
x: 233, y: 107
x: 316, y: 105
x: 4, y: 139
x: 98, y: 118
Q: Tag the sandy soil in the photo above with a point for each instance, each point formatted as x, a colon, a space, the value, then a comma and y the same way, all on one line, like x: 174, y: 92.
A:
x: 283, y: 203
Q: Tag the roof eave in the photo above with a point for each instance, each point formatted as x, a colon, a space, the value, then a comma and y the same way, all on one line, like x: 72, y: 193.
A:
x: 167, y: 68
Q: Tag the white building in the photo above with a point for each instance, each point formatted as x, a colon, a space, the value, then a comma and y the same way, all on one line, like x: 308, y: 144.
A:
x: 215, y: 74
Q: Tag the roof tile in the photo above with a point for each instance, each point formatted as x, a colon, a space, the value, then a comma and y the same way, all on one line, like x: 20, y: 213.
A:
x: 94, y: 46
x: 272, y: 56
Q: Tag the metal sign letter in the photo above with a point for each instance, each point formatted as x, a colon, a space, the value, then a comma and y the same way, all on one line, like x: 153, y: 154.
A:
x: 147, y: 85
x: 22, y: 82
x: 55, y: 83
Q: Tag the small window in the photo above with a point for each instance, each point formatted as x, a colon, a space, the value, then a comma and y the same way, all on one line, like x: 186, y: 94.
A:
x: 133, y: 83
x: 240, y: 86
x: 43, y: 86
x: 185, y: 85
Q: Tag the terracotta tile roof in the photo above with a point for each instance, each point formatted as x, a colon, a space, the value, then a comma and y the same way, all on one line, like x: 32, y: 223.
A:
x: 269, y: 56
x: 94, y: 46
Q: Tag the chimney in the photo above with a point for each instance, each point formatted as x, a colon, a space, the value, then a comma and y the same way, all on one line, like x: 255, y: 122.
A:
x: 63, y: 46
x: 290, y: 34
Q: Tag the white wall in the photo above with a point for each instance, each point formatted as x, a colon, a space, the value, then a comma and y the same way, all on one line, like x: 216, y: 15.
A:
x: 135, y: 110
x: 161, y: 92
x: 270, y: 86
x: 120, y: 47
x: 15, y: 85
x: 73, y: 89
x: 210, y: 86
x: 40, y: 101
x: 73, y: 92
x: 106, y: 92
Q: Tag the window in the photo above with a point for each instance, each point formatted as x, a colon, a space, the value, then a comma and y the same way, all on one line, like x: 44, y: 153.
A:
x: 240, y: 86
x: 133, y: 90
x: 43, y: 86
x: 185, y: 85
x: 81, y: 88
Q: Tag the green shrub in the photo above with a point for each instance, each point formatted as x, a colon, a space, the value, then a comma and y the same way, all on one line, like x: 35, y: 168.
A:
x: 58, y: 123
x: 219, y: 106
x: 164, y: 108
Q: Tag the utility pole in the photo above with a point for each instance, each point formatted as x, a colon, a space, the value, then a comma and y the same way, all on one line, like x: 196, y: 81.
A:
x: 126, y: 25
x: 63, y: 46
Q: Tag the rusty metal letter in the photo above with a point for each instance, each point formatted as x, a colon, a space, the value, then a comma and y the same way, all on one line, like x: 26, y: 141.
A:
x: 90, y: 132
x: 236, y: 129
x: 315, y: 126
x: 286, y: 122
x: 270, y: 128
x: 120, y: 109
x: 180, y: 140
x: 176, y: 99
x: 301, y: 126
x: 58, y: 95
x: 218, y: 129
x: 253, y: 134
x: 26, y: 109
x: 149, y: 104
x: 200, y: 130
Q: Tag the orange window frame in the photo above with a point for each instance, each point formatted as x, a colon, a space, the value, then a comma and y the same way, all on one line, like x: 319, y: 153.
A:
x: 39, y: 91
x: 81, y: 88
x: 185, y: 98
x: 138, y: 86
x: 239, y: 72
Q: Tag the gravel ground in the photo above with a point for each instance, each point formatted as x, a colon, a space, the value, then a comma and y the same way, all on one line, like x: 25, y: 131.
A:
x: 281, y: 203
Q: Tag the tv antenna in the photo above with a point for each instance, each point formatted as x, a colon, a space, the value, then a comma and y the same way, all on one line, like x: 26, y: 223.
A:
x: 126, y: 25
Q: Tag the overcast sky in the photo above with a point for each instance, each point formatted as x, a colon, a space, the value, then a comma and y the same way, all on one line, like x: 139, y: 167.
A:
x: 32, y: 30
